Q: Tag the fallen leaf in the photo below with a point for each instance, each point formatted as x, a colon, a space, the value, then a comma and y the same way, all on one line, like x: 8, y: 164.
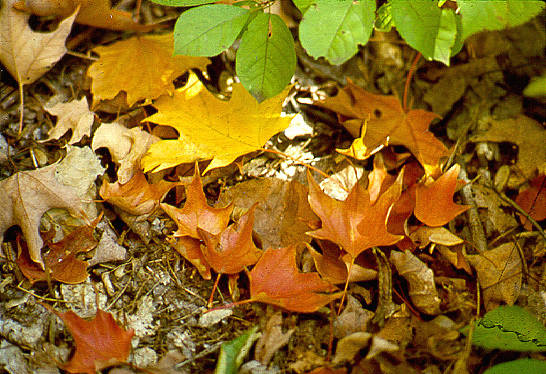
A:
x: 126, y: 146
x: 354, y: 224
x: 142, y: 66
x: 528, y: 135
x: 196, y: 213
x: 137, y: 196
x: 100, y: 342
x: 387, y: 121
x: 190, y: 249
x: 327, y: 370
x: 500, y: 274
x: 26, y: 196
x: 348, y: 347
x: 272, y: 339
x: 276, y: 280
x: 74, y: 115
x: 424, y: 235
x: 97, y: 13
x: 434, y: 204
x: 230, y: 251
x: 533, y: 201
x: 25, y: 53
x: 353, y: 319
x: 420, y: 278
x: 211, y: 128
x: 495, y: 216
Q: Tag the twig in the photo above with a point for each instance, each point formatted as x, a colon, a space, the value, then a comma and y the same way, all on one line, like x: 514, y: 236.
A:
x: 204, y: 353
x: 385, y: 307
x: 521, y: 211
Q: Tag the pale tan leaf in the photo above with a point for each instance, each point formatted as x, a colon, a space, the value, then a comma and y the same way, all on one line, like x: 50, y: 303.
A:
x: 74, y: 115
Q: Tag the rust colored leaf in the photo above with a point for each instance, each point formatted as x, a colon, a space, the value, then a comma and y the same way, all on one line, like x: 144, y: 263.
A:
x: 233, y: 249
x: 197, y: 213
x: 137, y: 196
x: 354, y: 224
x: 533, y: 201
x: 276, y: 280
x: 190, y: 249
x: 100, y: 342
x: 386, y: 118
x: 434, y: 204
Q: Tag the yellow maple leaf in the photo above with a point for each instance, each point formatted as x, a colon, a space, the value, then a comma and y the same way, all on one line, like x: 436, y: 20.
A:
x: 211, y: 128
x: 142, y: 66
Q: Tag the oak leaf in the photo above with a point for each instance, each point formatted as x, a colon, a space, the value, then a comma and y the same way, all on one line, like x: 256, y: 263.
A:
x: 434, y: 204
x: 100, y: 342
x: 355, y: 224
x: 533, y: 201
x: 74, y: 115
x: 28, y: 54
x: 142, y: 66
x: 211, y: 128
x: 26, y: 196
x: 276, y: 280
x: 196, y: 213
x: 387, y: 122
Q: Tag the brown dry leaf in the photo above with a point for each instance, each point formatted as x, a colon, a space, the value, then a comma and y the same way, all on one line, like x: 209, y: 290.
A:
x: 136, y: 197
x: 434, y: 202
x: 494, y: 217
x: 196, y: 213
x: 190, y: 249
x: 142, y: 66
x: 28, y: 54
x: 348, y: 347
x: 74, y: 115
x: 528, y: 135
x: 353, y: 319
x: 420, y: 278
x: 126, y: 146
x: 97, y: 13
x: 283, y: 214
x: 533, y: 201
x: 272, y: 339
x: 385, y: 118
x: 500, y: 273
x: 276, y: 280
x: 425, y: 235
x: 26, y: 196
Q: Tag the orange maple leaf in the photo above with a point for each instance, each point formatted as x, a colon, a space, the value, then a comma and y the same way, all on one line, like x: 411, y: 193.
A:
x: 190, y: 249
x: 276, y: 280
x: 385, y: 118
x: 197, y: 213
x: 355, y: 224
x: 434, y: 204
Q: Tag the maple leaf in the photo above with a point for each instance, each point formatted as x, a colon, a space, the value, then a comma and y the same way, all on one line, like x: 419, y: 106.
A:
x: 233, y: 249
x: 75, y: 116
x: 137, y: 196
x: 211, y: 128
x: 142, y: 66
x: 100, y: 342
x: 196, y: 213
x: 276, y: 280
x: 26, y: 196
x: 354, y: 224
x: 385, y: 118
x: 28, y: 54
x: 126, y: 146
x: 190, y: 249
x: 434, y: 204
x: 533, y: 201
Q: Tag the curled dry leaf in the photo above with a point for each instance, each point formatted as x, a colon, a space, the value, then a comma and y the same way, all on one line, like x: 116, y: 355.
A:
x: 424, y: 235
x: 28, y: 54
x: 272, y: 339
x: 190, y: 249
x: 276, y: 280
x: 126, y: 146
x: 420, y: 278
x: 434, y: 204
x: 26, y: 196
x: 74, y: 115
x: 151, y: 65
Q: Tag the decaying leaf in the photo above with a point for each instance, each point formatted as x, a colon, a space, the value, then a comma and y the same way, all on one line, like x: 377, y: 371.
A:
x: 424, y: 235
x: 28, y: 54
x: 275, y: 279
x: 151, y: 64
x: 533, y: 201
x: 211, y: 128
x: 272, y: 339
x: 74, y: 115
x: 353, y: 319
x: 26, y: 196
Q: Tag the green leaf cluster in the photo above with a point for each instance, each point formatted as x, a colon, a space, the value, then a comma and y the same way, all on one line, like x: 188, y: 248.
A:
x: 332, y: 29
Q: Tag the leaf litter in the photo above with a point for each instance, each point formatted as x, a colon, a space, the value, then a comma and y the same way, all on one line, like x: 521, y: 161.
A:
x: 163, y: 243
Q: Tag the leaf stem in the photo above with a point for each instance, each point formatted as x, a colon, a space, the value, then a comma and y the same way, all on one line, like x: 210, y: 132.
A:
x: 408, y: 80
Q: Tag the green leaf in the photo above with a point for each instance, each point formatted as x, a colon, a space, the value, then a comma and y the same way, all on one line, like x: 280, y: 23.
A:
x: 523, y: 365
x: 232, y: 353
x: 509, y: 328
x: 425, y: 27
x: 536, y: 87
x: 333, y: 29
x: 303, y: 5
x: 384, y: 22
x: 208, y: 30
x: 183, y: 2
x: 266, y: 59
x: 479, y: 15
